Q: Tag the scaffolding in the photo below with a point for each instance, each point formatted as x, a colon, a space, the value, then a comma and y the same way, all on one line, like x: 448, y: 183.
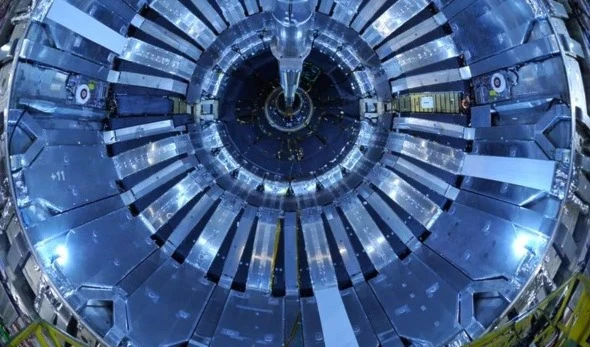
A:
x: 561, y: 319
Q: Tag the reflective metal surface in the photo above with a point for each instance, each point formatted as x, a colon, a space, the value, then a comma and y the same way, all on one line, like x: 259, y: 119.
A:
x: 406, y: 173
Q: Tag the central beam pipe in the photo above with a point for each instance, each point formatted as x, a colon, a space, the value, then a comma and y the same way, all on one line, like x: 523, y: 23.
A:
x: 291, y: 42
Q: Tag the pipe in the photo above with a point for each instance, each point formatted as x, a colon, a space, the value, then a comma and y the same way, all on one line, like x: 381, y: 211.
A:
x: 291, y: 43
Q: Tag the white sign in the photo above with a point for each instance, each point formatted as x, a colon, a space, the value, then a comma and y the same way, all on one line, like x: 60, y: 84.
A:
x: 427, y: 102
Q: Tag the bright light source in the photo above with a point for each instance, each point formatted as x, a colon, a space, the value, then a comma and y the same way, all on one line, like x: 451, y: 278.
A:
x: 519, y: 246
x: 61, y: 254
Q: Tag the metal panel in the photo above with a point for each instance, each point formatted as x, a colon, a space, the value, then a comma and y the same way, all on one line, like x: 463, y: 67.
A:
x: 326, y: 6
x: 400, y: 41
x: 186, y: 292
x: 205, y: 249
x: 62, y: 60
x: 336, y: 325
x: 484, y: 246
x: 318, y: 253
x: 251, y: 318
x: 88, y: 256
x: 430, y: 79
x: 232, y: 11
x: 290, y: 259
x: 160, y: 211
x: 533, y: 50
x: 86, y: 26
x: 344, y: 246
x: 525, y: 172
x: 190, y: 221
x: 139, y: 131
x: 212, y: 16
x: 185, y: 20
x: 427, y: 179
x: 393, y: 220
x: 366, y: 13
x: 264, y: 252
x: 149, y: 81
x: 394, y: 18
x: 410, y: 292
x: 141, y: 158
x: 160, y: 59
x: 65, y: 177
x: 429, y: 53
x: 237, y: 247
x: 432, y: 153
x: 156, y: 180
x: 359, y: 318
x: 165, y: 36
x: 373, y: 241
x: 345, y: 10
x: 407, y: 197
x: 433, y: 127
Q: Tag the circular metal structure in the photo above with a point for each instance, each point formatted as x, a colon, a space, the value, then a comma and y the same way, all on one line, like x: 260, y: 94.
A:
x: 429, y: 179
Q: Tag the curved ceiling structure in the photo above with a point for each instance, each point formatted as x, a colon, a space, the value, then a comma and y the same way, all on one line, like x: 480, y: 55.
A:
x: 428, y: 178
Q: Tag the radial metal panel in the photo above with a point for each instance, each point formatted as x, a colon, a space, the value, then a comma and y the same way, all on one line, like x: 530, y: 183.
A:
x: 87, y: 26
x: 62, y: 60
x: 190, y: 221
x: 426, y: 178
x: 432, y: 153
x: 149, y: 81
x: 407, y: 197
x: 345, y: 10
x: 336, y: 326
x: 184, y: 20
x: 318, y: 253
x: 237, y: 247
x: 343, y: 242
x: 232, y: 11
x: 326, y: 6
x: 160, y: 211
x: 430, y: 79
x: 140, y: 52
x: 366, y: 13
x: 156, y: 180
x: 139, y: 131
x: 210, y: 14
x: 359, y: 319
x: 138, y: 159
x: 391, y: 20
x: 251, y: 7
x: 264, y: 252
x: 428, y: 54
x: 392, y: 219
x: 433, y: 127
x: 531, y: 173
x: 207, y: 246
x: 402, y: 40
x: 165, y: 36
x: 373, y: 241
x: 291, y: 268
